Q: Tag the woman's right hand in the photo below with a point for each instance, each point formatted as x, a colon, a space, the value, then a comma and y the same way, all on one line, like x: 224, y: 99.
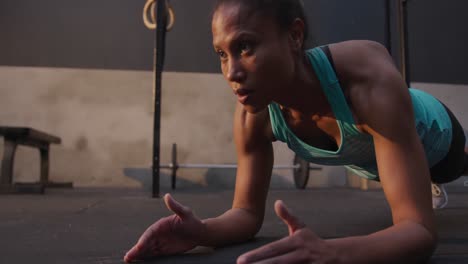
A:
x: 174, y: 234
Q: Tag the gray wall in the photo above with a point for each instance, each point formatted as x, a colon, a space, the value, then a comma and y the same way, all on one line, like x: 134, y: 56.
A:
x: 111, y: 35
x: 105, y: 118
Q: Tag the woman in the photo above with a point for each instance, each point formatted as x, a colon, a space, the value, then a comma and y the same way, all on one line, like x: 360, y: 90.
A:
x: 343, y: 104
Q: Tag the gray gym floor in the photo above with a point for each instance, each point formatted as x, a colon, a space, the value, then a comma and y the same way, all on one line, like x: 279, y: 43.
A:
x: 99, y: 225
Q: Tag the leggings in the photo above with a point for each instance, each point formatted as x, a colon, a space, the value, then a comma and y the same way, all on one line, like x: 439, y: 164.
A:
x: 452, y: 166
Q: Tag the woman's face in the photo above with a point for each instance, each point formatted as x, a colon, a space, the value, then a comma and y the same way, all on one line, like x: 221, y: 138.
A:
x: 255, y: 54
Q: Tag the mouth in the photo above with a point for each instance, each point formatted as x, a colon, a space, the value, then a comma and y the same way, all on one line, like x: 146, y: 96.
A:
x: 243, y: 95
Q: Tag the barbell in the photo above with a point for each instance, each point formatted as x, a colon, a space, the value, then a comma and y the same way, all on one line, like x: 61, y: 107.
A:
x: 300, y: 168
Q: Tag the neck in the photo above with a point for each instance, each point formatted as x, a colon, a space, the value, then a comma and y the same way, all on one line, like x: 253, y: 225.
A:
x: 303, y: 96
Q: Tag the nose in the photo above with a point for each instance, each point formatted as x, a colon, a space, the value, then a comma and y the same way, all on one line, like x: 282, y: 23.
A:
x: 235, y: 72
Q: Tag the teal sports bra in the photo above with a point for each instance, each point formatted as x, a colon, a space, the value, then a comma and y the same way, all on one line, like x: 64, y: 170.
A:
x: 356, y: 151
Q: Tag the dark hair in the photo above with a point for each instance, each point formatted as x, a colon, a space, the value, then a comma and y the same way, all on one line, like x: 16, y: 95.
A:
x: 284, y: 12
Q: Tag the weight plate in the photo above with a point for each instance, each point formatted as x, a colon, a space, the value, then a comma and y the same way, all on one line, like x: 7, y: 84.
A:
x: 301, y: 174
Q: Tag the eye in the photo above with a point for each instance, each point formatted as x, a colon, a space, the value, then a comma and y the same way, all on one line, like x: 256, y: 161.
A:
x: 245, y: 47
x: 222, y: 55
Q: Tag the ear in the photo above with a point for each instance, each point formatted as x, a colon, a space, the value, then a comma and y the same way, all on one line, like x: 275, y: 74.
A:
x: 296, y: 34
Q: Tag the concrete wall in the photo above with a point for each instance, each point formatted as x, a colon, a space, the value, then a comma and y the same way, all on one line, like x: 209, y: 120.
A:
x: 104, y: 118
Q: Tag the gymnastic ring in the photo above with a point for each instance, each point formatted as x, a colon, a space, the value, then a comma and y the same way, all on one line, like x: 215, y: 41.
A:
x: 152, y: 24
x: 170, y: 12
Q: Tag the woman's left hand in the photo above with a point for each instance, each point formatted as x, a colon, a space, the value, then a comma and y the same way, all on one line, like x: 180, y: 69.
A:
x: 301, y: 246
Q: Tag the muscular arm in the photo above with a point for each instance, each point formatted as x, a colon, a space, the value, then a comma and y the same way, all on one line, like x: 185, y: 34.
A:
x: 255, y: 161
x: 383, y: 106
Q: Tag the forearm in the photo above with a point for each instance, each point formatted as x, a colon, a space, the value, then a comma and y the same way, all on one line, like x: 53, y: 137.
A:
x: 406, y: 242
x: 235, y: 225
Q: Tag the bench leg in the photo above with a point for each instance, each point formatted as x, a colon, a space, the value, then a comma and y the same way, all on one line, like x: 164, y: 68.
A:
x: 45, y: 171
x: 6, y: 178
x: 8, y: 162
x: 44, y: 165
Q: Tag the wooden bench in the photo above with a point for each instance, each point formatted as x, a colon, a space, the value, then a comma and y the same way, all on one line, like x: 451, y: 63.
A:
x: 14, y: 136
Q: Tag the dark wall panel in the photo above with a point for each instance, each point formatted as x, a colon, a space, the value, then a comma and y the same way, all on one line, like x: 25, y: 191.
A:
x: 102, y: 34
x: 338, y: 20
x: 438, y: 40
x: 189, y: 44
x: 111, y: 35
x: 84, y: 34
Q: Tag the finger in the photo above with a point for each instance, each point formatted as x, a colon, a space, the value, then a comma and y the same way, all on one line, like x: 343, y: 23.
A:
x: 271, y: 250
x: 292, y: 221
x: 141, y: 248
x: 180, y: 210
x: 296, y: 256
x: 134, y: 253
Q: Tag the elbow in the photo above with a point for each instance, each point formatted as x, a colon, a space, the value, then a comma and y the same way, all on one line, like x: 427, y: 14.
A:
x: 249, y: 224
x: 430, y: 246
x: 428, y: 252
x: 432, y: 240
x: 255, y: 227
x: 424, y: 244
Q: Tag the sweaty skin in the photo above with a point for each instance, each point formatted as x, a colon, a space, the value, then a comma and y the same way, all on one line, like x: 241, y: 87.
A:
x: 263, y: 63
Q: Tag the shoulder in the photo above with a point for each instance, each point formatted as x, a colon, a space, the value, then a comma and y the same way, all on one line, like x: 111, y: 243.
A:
x: 252, y: 129
x: 357, y: 59
x: 358, y: 48
x: 376, y: 88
